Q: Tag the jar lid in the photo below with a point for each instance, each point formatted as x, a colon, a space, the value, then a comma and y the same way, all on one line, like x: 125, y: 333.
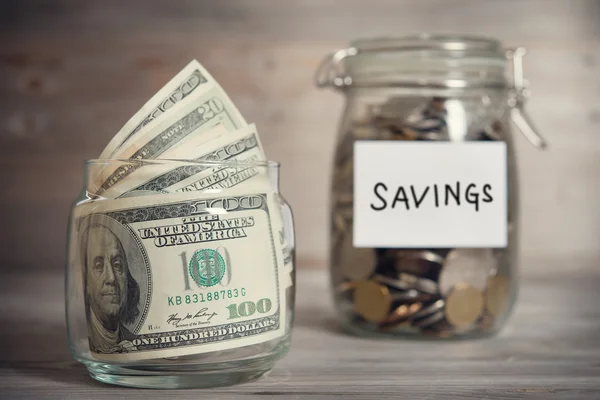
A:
x: 422, y: 60
x: 432, y: 61
x: 448, y: 43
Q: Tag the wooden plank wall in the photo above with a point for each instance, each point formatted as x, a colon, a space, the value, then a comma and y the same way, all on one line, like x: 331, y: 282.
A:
x: 72, y: 72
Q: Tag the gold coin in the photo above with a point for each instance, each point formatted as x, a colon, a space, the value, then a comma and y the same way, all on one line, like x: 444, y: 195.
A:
x: 464, y: 305
x: 496, y: 295
x: 372, y: 301
x: 403, y: 312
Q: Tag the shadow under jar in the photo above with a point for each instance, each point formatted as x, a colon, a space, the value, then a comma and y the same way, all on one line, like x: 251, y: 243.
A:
x: 423, y: 89
x: 174, y: 288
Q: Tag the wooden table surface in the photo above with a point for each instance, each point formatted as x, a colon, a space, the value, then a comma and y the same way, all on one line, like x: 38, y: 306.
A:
x: 550, y: 349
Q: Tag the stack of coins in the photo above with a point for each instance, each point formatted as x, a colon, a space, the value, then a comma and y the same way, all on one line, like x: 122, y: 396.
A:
x: 449, y: 292
x: 440, y: 292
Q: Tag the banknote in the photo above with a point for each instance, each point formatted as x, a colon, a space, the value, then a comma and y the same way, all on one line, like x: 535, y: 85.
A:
x: 175, y: 156
x: 191, y: 79
x: 239, y: 162
x: 225, y: 161
x: 168, y: 275
x: 202, y: 112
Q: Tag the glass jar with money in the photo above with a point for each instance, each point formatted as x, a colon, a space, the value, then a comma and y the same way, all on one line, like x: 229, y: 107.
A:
x: 424, y: 193
x: 182, y: 273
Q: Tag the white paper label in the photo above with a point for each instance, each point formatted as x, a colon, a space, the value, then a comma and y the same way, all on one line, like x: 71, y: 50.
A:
x: 430, y: 194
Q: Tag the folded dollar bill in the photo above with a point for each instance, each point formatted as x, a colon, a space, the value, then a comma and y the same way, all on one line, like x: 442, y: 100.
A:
x: 188, y: 83
x: 194, y: 118
x: 225, y: 160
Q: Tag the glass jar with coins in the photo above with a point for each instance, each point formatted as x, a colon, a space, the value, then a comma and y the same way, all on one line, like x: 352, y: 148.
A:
x: 181, y: 274
x: 424, y: 191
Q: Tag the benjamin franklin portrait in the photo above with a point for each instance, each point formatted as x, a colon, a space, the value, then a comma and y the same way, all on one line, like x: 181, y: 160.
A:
x: 112, y: 295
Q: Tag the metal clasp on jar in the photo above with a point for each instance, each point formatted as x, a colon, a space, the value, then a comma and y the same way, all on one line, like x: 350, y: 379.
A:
x: 331, y: 73
x: 517, y: 97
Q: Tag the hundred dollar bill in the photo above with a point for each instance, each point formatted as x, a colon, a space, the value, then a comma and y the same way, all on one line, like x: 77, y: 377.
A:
x: 234, y: 155
x: 193, y: 78
x: 173, y: 275
x: 244, y: 150
x: 202, y: 112
x: 188, y: 150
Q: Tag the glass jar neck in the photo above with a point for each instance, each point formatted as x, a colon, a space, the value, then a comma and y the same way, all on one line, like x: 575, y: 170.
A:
x: 440, y: 62
x: 432, y: 64
x: 475, y: 93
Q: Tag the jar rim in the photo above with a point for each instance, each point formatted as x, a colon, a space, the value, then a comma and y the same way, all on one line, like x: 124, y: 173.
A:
x: 426, y: 41
x: 419, y: 61
x: 181, y: 162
